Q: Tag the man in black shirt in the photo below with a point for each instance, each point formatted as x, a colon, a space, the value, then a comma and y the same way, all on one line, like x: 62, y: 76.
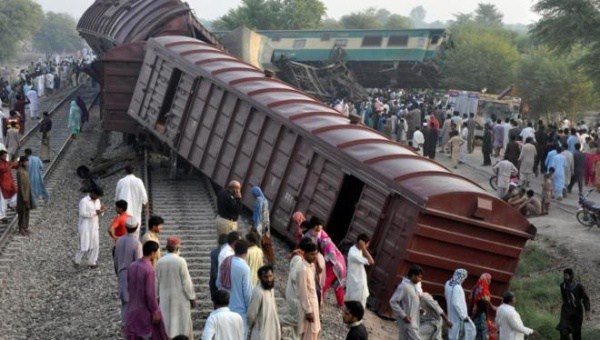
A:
x: 229, y: 206
x: 353, y: 315
x: 575, y: 301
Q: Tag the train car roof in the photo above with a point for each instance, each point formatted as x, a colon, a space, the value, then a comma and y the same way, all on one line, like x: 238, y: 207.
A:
x: 402, y: 170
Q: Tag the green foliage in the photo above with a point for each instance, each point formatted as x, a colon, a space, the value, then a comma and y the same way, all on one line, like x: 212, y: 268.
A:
x: 418, y: 15
x: 554, y: 83
x: 19, y: 20
x: 567, y: 25
x: 488, y: 15
x: 537, y: 292
x: 396, y: 21
x: 480, y: 59
x: 273, y: 15
x: 331, y: 24
x: 366, y: 19
x: 57, y: 34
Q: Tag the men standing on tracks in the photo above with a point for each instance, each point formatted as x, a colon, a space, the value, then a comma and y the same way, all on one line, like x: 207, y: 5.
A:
x: 222, y: 323
x: 7, y: 185
x: 356, y: 281
x: 574, y: 302
x: 45, y: 127
x: 12, y: 141
x: 308, y: 303
x: 118, y: 227
x: 131, y: 189
x: 527, y: 161
x: 175, y: 291
x: 144, y: 320
x: 127, y: 250
x: 24, y: 197
x: 90, y: 208
x: 229, y: 206
x: 578, y: 169
x: 36, y: 178
x: 405, y: 304
x: 457, y: 307
x: 234, y: 276
x: 34, y: 104
x: 155, y: 224
x: 263, y: 319
x: 504, y: 169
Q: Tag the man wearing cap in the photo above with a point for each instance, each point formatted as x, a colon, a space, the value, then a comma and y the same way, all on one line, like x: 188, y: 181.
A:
x: 175, y: 291
x: 127, y: 250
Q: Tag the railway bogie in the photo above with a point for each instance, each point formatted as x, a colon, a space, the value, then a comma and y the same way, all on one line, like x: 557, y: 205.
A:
x: 231, y: 122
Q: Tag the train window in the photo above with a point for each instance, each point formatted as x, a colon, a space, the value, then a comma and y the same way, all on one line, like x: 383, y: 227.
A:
x: 398, y: 40
x: 341, y: 42
x: 435, y: 39
x: 326, y: 36
x: 299, y: 43
x: 169, y: 96
x: 372, y: 40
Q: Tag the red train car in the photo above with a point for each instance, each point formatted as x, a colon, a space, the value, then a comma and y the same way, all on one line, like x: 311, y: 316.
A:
x: 117, y: 30
x: 231, y: 122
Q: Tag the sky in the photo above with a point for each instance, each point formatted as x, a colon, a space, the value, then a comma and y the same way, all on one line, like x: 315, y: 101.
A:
x: 515, y: 11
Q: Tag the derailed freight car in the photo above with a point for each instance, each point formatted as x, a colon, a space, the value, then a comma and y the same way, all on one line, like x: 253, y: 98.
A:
x: 231, y: 122
x: 117, y: 30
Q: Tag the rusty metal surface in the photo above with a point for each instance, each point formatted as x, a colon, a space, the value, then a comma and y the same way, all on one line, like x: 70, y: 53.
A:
x: 231, y: 122
x: 109, y: 23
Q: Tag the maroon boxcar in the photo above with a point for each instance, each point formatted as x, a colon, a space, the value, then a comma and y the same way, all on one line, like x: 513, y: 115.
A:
x: 117, y: 30
x: 231, y: 122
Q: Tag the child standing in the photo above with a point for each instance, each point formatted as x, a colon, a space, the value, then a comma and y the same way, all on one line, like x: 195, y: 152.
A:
x: 547, y: 186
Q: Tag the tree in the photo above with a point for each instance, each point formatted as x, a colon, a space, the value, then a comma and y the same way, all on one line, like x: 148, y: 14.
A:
x: 479, y: 59
x: 551, y: 83
x: 57, y: 34
x: 569, y: 24
x: 488, y: 14
x: 19, y: 20
x: 366, y: 19
x: 331, y: 24
x: 397, y: 21
x: 418, y: 15
x: 273, y: 15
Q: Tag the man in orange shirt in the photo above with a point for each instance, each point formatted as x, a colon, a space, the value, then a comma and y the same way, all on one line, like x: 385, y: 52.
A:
x: 117, y: 227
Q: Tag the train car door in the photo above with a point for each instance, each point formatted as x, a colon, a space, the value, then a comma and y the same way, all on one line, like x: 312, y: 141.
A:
x: 345, y: 205
x: 292, y: 186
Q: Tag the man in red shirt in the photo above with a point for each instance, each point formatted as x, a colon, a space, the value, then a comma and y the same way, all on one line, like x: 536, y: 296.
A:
x: 117, y: 227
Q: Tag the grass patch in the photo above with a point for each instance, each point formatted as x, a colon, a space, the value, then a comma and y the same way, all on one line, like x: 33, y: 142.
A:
x: 537, y: 292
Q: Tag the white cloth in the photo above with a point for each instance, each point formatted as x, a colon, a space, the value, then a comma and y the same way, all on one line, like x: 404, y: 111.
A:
x: 505, y: 169
x: 5, y: 202
x: 418, y: 139
x: 225, y: 252
x: 457, y: 313
x: 39, y: 81
x: 89, y: 241
x: 132, y: 190
x: 34, y: 104
x: 291, y: 296
x: 263, y: 319
x: 175, y: 290
x: 357, y: 288
x: 510, y: 324
x: 49, y: 81
x: 405, y: 302
x: 223, y: 324
x: 528, y: 132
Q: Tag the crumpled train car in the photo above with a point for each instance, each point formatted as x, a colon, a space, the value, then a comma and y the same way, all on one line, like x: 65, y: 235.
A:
x: 231, y: 122
x: 116, y: 30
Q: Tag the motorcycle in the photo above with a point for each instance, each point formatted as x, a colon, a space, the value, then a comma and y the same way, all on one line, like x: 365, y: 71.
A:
x: 589, y: 212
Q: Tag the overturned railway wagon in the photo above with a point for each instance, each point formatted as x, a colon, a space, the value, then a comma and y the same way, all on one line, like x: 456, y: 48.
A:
x: 231, y: 122
x: 117, y: 30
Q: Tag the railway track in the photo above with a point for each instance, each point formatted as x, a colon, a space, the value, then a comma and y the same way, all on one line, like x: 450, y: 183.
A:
x: 59, y: 142
x: 188, y: 207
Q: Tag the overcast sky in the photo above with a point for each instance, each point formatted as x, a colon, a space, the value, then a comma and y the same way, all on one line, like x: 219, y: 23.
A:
x: 515, y: 11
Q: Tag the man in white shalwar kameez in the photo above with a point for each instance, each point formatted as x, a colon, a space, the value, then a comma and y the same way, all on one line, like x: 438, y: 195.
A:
x: 510, y: 325
x: 357, y: 288
x: 291, y: 293
x: 175, y: 291
x: 132, y: 190
x: 90, y: 208
x: 34, y: 104
x: 40, y: 82
x: 263, y: 319
x: 457, y: 307
x: 308, y: 302
x: 406, y: 304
